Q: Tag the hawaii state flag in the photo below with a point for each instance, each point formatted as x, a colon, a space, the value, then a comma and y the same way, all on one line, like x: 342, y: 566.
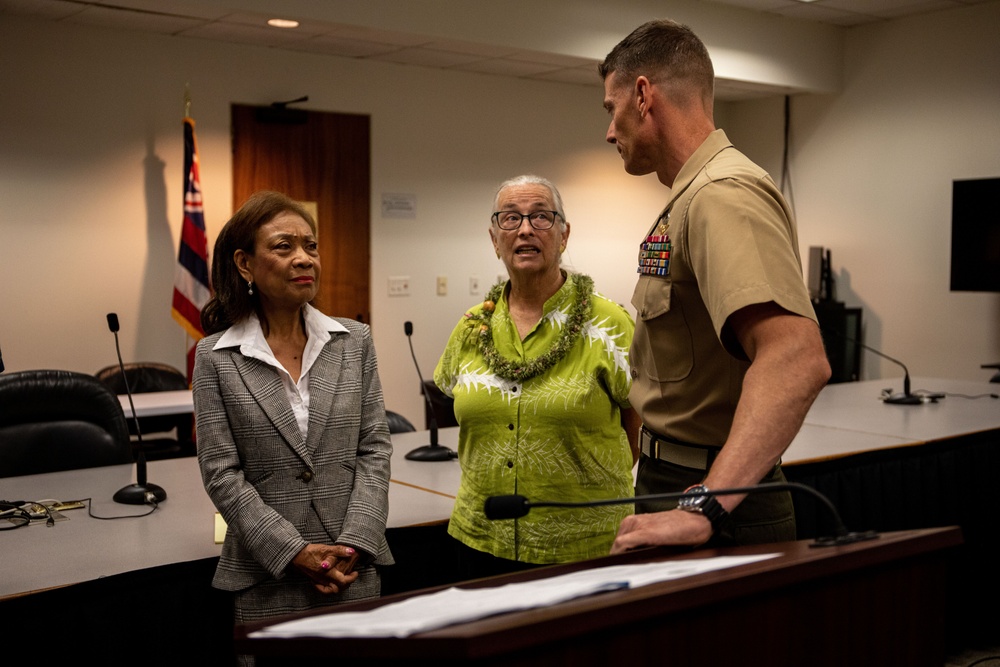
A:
x: 191, y: 283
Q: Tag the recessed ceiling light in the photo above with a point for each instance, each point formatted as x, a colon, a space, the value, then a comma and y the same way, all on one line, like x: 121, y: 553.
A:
x: 283, y: 23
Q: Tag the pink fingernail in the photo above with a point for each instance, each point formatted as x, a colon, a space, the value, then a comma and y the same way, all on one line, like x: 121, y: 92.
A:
x: 325, y: 565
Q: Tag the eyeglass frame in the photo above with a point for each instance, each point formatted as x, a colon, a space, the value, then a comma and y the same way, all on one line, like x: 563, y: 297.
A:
x: 495, y: 218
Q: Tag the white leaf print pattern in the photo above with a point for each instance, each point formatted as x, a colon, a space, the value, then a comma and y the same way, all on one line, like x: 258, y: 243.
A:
x: 473, y: 380
x: 594, y: 331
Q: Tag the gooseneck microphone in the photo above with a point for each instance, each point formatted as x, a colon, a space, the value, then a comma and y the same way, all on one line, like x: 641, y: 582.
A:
x: 513, y: 507
x: 140, y: 493
x: 905, y: 398
x: 433, y: 451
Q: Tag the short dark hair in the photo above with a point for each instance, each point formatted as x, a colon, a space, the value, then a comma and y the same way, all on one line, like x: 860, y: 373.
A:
x: 661, y: 47
x: 230, y: 302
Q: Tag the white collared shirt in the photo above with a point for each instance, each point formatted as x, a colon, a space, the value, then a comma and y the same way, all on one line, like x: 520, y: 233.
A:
x: 249, y: 337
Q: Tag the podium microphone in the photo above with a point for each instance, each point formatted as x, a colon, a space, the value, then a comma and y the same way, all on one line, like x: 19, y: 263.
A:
x: 906, y: 398
x: 140, y: 493
x: 433, y: 451
x: 513, y: 507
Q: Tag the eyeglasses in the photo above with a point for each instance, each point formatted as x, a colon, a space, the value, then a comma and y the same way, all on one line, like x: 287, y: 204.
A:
x: 510, y: 220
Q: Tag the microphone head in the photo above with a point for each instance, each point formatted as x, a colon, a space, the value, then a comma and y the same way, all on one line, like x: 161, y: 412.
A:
x: 113, y: 322
x: 408, y: 328
x: 506, y: 507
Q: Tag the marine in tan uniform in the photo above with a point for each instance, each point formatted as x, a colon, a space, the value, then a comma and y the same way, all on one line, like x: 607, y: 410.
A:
x: 727, y: 356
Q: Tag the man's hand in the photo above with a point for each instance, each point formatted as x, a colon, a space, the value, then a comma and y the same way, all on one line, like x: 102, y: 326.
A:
x: 661, y: 528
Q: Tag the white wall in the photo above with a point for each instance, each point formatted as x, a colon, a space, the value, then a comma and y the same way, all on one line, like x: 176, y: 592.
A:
x: 90, y: 180
x: 872, y: 169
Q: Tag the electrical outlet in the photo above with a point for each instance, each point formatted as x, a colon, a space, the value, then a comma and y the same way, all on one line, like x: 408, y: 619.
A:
x: 442, y: 286
x: 474, y: 286
x: 399, y: 285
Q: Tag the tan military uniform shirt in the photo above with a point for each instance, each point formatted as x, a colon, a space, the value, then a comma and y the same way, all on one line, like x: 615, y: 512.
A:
x: 734, y: 244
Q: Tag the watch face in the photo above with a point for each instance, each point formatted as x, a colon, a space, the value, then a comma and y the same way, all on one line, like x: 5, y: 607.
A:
x: 693, y: 503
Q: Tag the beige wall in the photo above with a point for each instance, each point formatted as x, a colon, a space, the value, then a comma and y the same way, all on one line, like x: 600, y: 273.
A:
x: 92, y: 185
x: 90, y: 179
x: 873, y: 168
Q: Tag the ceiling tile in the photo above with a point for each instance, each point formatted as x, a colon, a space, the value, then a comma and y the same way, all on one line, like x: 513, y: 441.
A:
x: 426, y: 57
x: 129, y: 20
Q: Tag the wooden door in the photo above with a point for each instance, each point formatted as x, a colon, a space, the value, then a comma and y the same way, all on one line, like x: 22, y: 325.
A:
x: 315, y: 157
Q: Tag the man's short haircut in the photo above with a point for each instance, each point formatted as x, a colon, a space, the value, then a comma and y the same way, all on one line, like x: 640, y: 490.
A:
x: 663, y: 51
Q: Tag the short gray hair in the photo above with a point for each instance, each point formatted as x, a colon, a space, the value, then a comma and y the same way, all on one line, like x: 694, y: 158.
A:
x: 531, y: 179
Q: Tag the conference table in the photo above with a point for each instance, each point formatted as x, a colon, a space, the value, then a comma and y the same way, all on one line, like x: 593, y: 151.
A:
x: 891, y: 467
x: 144, y: 578
x: 885, y: 467
x: 181, y: 529
x: 849, y: 418
x: 158, y: 403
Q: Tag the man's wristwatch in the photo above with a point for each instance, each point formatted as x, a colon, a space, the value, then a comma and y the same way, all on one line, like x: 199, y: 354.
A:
x: 705, y: 505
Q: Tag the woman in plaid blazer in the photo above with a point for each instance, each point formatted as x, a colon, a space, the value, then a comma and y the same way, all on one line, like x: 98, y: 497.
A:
x: 292, y: 437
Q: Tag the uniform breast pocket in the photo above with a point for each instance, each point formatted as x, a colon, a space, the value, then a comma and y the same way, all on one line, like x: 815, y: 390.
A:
x: 662, y: 347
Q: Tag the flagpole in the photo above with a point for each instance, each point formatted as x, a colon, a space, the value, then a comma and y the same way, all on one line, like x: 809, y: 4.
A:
x: 188, y: 338
x: 192, y: 283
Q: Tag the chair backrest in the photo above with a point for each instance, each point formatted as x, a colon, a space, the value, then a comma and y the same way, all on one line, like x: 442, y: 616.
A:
x: 444, y: 406
x: 149, y: 376
x: 143, y: 376
x: 54, y: 420
x: 398, y: 423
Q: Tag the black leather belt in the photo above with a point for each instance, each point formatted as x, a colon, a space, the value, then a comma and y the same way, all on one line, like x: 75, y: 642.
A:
x: 657, y: 446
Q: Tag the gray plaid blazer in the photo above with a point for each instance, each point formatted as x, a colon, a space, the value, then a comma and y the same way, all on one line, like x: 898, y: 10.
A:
x: 265, y: 479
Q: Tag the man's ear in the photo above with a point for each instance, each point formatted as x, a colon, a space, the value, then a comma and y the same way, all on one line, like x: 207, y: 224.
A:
x: 643, y: 94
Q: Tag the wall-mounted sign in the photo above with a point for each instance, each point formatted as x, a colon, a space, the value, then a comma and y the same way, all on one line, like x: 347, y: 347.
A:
x: 399, y: 205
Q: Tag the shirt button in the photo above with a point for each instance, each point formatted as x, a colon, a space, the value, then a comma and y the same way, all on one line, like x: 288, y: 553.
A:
x: 306, y: 476
x: 510, y: 427
x: 513, y: 389
x: 510, y: 464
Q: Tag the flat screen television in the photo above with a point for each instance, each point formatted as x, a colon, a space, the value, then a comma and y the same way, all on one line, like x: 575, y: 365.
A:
x: 975, y: 235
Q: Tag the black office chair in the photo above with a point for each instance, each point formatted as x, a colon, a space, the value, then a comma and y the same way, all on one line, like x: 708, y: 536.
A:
x: 163, y: 436
x: 398, y: 423
x: 444, y: 406
x: 53, y: 420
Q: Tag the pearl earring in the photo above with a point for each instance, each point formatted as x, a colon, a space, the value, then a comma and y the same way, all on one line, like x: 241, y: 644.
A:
x: 250, y: 287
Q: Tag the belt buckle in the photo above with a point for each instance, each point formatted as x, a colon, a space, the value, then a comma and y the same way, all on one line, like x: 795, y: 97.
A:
x: 696, y: 458
x: 651, y: 445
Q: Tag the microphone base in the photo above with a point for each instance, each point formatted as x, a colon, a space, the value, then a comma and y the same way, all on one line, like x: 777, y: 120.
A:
x: 903, y: 399
x: 431, y: 453
x: 137, y: 494
x: 847, y: 538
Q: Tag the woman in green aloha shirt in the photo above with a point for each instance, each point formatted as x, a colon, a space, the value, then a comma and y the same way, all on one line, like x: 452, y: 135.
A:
x: 540, y: 376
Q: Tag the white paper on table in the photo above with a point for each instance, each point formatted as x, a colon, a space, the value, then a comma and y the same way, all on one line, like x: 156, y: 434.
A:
x: 422, y: 613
